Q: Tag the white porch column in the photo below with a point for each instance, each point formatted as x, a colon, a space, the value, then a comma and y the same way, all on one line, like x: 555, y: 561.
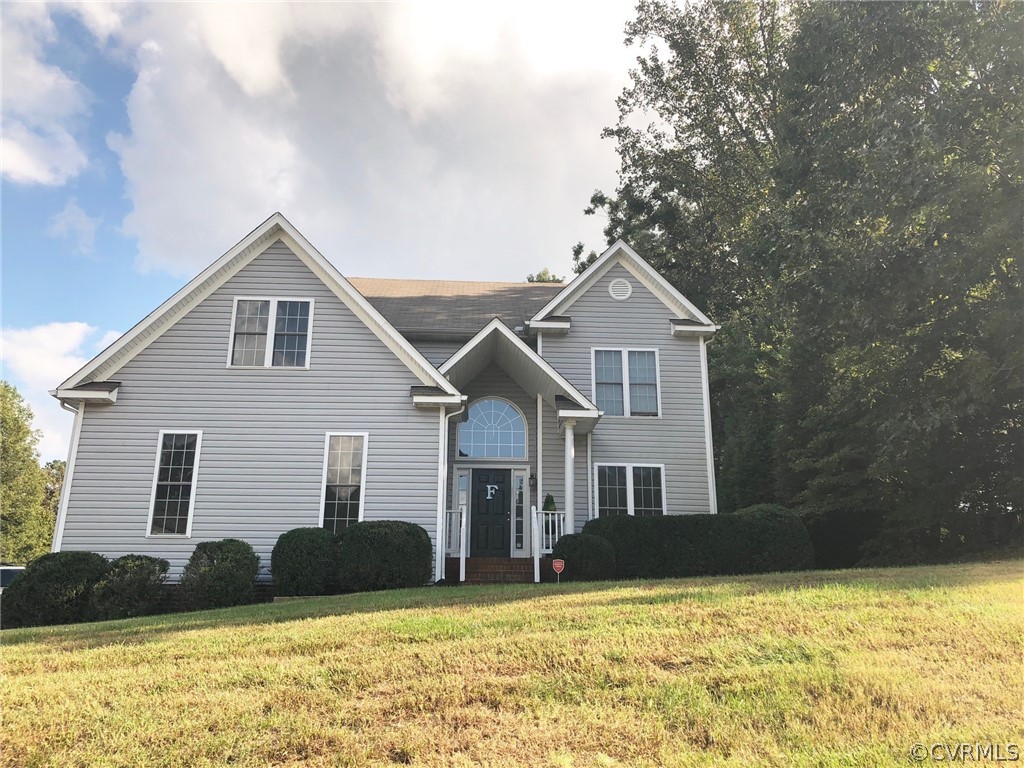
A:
x: 570, y: 475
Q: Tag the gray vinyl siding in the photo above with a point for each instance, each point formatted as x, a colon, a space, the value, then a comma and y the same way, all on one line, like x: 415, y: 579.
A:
x: 261, y: 465
x: 437, y: 351
x: 677, y: 438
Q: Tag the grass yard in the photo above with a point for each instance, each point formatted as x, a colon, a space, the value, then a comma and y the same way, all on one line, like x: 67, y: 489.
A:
x: 823, y: 668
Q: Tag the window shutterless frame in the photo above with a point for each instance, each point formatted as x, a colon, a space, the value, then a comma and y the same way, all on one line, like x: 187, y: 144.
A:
x: 630, y: 501
x: 625, y: 379
x: 268, y: 353
x: 156, y: 476
x: 362, y: 474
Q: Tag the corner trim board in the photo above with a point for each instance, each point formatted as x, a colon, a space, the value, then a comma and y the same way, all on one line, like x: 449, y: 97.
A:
x: 69, y: 476
x: 706, y: 395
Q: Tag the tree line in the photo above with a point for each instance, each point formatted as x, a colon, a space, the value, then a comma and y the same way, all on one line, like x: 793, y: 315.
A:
x: 29, y: 493
x: 839, y: 185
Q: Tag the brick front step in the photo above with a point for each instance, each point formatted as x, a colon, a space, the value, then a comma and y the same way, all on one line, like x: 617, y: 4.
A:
x: 492, y: 570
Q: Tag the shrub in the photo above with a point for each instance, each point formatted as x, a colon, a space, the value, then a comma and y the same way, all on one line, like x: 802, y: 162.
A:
x: 839, y: 537
x: 384, y: 554
x: 775, y: 539
x: 622, y: 532
x: 219, y: 574
x: 54, y: 589
x: 305, y: 562
x: 587, y: 557
x: 750, y: 541
x: 132, y: 587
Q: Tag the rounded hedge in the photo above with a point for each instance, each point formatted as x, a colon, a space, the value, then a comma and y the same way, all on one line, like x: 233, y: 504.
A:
x: 305, y: 562
x: 219, y: 574
x: 587, y: 557
x: 54, y: 589
x: 383, y: 554
x: 132, y: 587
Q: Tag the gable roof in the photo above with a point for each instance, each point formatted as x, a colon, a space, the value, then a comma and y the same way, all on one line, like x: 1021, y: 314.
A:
x: 275, y: 228
x: 621, y: 253
x: 453, y: 308
x: 496, y: 343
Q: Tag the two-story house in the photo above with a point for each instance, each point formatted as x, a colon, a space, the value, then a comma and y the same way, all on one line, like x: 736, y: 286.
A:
x: 271, y: 393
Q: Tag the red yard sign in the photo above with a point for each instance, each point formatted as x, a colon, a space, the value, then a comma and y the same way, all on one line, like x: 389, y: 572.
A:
x: 558, y: 565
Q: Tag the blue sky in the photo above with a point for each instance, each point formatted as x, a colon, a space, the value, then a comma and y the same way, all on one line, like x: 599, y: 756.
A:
x: 141, y: 141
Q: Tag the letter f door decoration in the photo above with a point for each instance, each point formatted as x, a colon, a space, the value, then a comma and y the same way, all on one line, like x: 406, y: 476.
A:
x: 491, y: 490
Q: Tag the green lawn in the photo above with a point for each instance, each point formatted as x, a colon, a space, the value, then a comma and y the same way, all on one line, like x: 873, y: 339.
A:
x: 822, y: 668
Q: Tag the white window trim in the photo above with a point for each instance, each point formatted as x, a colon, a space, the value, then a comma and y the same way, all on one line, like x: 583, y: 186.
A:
x: 624, y: 351
x: 631, y: 511
x: 492, y: 459
x: 362, y: 477
x: 156, y: 475
x: 268, y: 354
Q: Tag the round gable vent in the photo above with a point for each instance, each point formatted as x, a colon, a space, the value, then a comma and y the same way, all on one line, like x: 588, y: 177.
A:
x: 620, y: 289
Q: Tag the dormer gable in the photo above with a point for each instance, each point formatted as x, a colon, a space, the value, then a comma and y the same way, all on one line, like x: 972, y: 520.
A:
x: 687, y: 319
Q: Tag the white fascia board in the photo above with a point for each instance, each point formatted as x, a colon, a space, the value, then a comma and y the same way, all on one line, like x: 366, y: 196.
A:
x: 549, y: 325
x: 436, y: 400
x: 114, y: 357
x: 496, y: 326
x: 580, y: 414
x: 695, y: 330
x: 636, y: 266
x: 97, y: 396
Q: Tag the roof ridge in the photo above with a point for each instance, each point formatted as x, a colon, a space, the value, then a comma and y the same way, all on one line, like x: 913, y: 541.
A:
x: 524, y: 283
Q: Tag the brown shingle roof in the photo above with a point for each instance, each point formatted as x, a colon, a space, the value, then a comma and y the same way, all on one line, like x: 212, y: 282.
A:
x: 453, y: 308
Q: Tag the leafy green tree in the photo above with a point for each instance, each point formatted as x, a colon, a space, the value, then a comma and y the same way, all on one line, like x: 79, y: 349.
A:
x: 544, y: 276
x: 902, y: 166
x: 840, y: 184
x: 25, y: 527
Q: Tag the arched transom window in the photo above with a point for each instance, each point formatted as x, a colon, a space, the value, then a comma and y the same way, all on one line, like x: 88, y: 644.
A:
x: 495, y: 429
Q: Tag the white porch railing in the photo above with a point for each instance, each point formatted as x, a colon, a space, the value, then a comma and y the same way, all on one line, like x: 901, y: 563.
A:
x: 547, y: 528
x: 456, y: 537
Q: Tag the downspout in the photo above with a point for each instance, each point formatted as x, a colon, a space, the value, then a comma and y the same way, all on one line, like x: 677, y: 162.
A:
x: 442, y: 487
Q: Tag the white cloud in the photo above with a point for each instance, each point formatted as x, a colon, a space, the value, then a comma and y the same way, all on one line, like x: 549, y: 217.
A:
x: 449, y: 139
x: 73, y: 224
x: 36, y: 360
x: 42, y: 106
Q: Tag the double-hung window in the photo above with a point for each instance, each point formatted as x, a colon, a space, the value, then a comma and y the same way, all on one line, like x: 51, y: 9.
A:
x: 626, y: 382
x: 174, y: 483
x: 344, y: 480
x: 630, y: 489
x: 271, y: 333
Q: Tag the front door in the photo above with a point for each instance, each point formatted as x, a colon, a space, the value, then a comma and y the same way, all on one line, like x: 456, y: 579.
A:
x: 490, y: 516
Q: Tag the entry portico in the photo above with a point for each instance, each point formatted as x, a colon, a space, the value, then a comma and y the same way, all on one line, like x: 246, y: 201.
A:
x: 493, y: 438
